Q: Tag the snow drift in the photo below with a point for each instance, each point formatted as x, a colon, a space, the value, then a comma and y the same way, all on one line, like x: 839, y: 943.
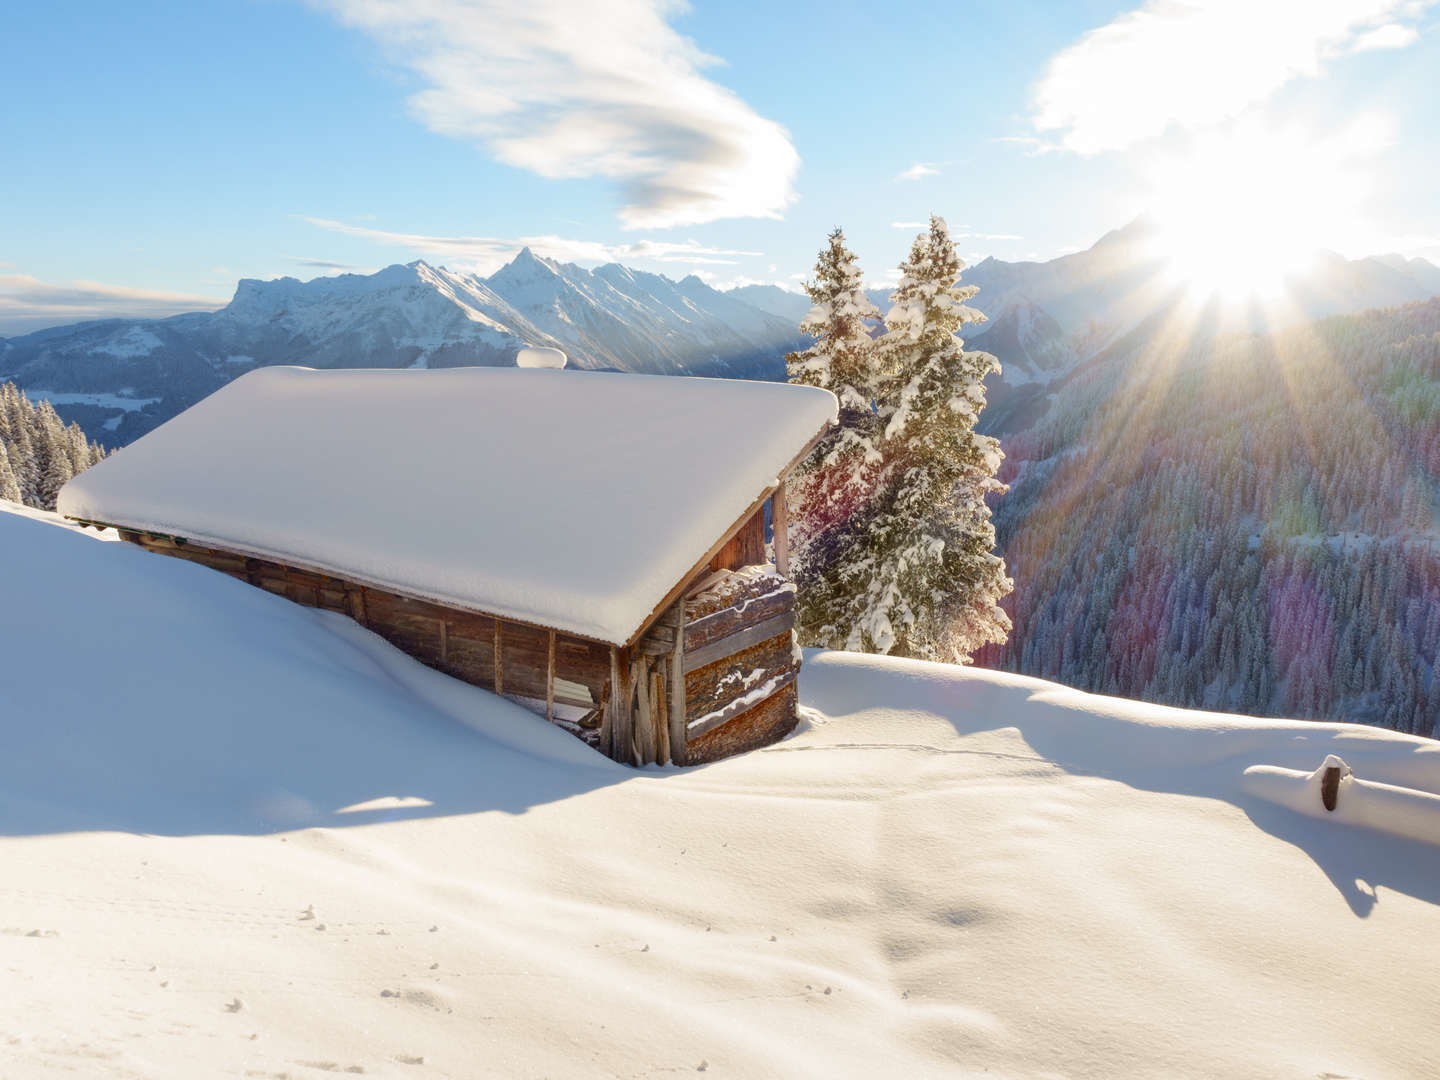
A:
x: 239, y: 837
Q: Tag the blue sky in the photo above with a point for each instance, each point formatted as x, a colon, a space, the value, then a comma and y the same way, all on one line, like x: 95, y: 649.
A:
x: 154, y: 153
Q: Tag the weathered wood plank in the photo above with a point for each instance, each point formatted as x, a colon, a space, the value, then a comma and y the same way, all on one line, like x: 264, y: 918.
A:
x: 713, y: 720
x: 739, y: 641
x: 662, y: 712
x: 780, y: 528
x: 676, y: 719
x: 765, y: 723
x: 715, y: 686
x: 644, y: 719
x: 730, y: 620
x: 732, y: 589
x: 499, y: 662
x: 746, y: 547
x: 550, y: 682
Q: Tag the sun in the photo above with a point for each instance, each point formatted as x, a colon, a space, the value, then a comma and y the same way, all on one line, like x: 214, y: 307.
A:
x: 1240, y: 215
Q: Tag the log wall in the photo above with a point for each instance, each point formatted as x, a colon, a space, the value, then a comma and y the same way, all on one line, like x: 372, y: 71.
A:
x: 739, y: 659
x: 459, y: 643
x: 714, y: 676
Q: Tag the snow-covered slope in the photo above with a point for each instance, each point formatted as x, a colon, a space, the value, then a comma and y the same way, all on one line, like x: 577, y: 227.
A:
x: 241, y: 838
x: 415, y: 315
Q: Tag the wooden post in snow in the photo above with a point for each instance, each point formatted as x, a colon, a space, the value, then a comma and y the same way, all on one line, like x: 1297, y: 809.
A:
x: 676, y: 719
x: 644, y: 725
x: 780, y: 525
x: 499, y: 670
x: 550, y: 682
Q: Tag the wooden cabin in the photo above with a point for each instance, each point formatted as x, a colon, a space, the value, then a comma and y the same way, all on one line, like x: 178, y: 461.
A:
x: 592, y: 545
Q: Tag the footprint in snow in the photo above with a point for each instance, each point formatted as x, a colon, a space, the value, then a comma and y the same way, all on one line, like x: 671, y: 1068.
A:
x: 308, y: 913
x: 234, y: 1006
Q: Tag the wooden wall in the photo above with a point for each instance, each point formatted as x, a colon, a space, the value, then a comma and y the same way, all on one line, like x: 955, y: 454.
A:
x: 458, y: 643
x: 714, y: 676
x: 740, y: 658
x: 746, y: 547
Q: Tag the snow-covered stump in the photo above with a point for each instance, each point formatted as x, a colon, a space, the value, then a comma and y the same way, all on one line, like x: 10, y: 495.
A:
x: 1335, y: 793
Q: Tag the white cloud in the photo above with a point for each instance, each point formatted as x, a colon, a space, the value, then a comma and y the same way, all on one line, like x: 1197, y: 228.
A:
x: 909, y: 225
x: 1193, y: 63
x: 919, y: 169
x: 1389, y: 36
x: 571, y: 88
x: 27, y: 303
x: 486, y: 254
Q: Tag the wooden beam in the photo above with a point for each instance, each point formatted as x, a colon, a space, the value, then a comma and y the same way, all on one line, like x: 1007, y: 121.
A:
x: 739, y: 641
x: 676, y: 719
x: 780, y: 524
x: 623, y: 735
x: 644, y: 715
x: 499, y: 668
x: 607, y: 703
x: 662, y: 712
x: 550, y: 682
x: 729, y: 534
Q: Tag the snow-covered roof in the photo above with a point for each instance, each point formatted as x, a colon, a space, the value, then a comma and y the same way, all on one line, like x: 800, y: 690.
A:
x: 570, y: 499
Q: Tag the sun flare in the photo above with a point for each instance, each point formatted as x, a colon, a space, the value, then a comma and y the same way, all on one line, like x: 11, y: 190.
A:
x: 1243, y: 213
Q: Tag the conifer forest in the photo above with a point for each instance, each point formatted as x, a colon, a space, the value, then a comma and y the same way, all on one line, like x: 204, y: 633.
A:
x: 1246, y: 525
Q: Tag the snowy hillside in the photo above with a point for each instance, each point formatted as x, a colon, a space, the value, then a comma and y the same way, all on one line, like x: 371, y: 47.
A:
x: 242, y: 838
x: 125, y: 376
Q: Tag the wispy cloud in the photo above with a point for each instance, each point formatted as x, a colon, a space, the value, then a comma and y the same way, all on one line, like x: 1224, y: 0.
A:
x: 570, y: 88
x: 1033, y: 144
x: 27, y: 303
x: 1191, y: 64
x: 923, y: 225
x: 918, y: 170
x: 485, y: 254
x: 327, y: 264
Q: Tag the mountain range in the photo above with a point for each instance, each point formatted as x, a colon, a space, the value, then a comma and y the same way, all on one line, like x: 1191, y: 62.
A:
x: 121, y: 377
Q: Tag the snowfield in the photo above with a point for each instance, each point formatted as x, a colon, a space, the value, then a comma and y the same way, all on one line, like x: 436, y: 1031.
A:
x: 240, y: 838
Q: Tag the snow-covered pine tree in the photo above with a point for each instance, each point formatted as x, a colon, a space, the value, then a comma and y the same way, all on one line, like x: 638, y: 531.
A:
x: 40, y: 450
x: 9, y: 485
x: 934, y: 582
x: 830, y: 490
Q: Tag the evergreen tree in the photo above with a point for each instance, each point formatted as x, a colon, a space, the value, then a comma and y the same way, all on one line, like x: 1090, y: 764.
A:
x: 831, y: 489
x: 9, y: 486
x: 40, y: 452
x: 906, y: 565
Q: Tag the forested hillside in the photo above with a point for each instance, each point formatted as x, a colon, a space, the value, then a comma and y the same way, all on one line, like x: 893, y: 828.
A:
x: 38, y: 453
x: 1247, y: 525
